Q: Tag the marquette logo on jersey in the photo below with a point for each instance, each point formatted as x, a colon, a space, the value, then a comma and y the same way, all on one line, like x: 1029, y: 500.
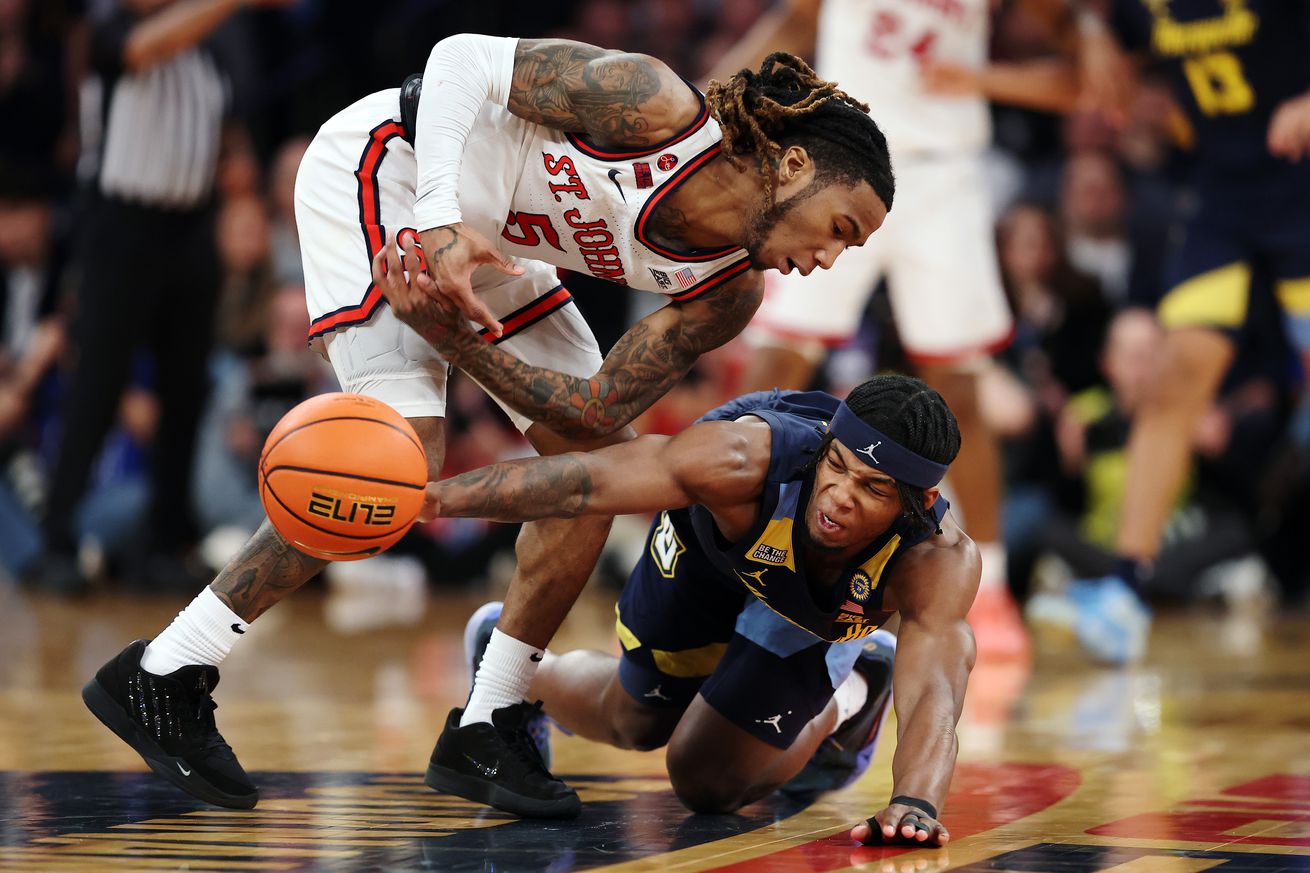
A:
x: 340, y: 506
x: 769, y: 554
x: 861, y: 586
x: 665, y: 547
x: 1172, y: 38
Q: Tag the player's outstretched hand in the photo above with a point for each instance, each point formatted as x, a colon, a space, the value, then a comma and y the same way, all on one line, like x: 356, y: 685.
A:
x: 902, y: 825
x: 453, y: 253
x: 1289, y: 129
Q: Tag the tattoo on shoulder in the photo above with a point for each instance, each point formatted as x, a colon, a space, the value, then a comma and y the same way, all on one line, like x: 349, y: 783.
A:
x: 574, y: 86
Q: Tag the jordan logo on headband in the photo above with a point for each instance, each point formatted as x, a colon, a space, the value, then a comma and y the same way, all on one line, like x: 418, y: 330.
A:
x: 893, y: 458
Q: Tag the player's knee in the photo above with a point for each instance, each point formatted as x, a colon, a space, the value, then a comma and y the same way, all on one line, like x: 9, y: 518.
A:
x: 642, y: 733
x: 707, y: 794
x: 638, y: 727
x: 700, y: 785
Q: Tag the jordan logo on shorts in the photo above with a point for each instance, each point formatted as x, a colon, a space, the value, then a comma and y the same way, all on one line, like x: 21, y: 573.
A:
x: 868, y: 450
x: 658, y: 694
x: 773, y: 720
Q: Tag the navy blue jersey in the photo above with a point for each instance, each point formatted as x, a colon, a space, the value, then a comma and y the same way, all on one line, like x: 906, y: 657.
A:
x: 764, y: 561
x: 1232, y: 62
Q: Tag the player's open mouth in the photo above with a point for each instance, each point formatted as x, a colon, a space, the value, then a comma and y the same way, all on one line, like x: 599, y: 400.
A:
x: 826, y: 524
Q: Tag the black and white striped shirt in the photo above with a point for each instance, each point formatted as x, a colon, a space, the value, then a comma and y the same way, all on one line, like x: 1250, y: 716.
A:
x: 162, y: 125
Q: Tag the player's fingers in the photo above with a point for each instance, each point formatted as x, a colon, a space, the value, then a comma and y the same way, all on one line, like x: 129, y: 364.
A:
x: 469, y: 304
x: 943, y: 836
x: 861, y: 832
x: 395, y: 268
x: 495, y: 258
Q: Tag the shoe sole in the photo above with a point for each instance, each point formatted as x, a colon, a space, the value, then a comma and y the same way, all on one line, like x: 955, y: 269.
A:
x: 447, y: 781
x: 104, y: 707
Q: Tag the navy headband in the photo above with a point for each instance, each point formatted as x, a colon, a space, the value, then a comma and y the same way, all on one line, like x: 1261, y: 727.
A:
x: 881, y: 452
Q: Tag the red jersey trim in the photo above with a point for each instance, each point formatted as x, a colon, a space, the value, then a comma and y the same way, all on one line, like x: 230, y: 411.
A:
x: 657, y: 196
x: 525, y: 316
x: 731, y: 271
x: 370, y: 222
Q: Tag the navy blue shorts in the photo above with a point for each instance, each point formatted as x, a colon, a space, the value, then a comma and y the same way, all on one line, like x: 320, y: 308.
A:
x: 1237, y: 230
x: 686, y: 629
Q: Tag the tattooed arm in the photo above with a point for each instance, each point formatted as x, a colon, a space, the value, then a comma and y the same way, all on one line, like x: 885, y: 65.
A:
x: 646, y: 361
x: 720, y: 464
x: 617, y: 98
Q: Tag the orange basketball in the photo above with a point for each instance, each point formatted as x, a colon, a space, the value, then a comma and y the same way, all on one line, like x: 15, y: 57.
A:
x: 342, y: 476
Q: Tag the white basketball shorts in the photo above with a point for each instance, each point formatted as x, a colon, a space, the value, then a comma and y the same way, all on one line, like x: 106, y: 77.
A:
x: 938, y: 253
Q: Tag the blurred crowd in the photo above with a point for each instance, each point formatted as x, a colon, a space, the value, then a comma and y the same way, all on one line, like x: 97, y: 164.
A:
x: 1083, y: 217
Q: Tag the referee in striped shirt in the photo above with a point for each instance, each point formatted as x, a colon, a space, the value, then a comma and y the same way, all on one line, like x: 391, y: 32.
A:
x: 148, y: 265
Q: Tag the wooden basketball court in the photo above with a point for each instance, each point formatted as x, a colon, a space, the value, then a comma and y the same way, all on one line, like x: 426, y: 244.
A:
x: 1198, y: 760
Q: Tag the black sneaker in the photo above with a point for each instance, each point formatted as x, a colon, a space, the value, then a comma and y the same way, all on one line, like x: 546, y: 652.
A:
x: 845, y: 754
x: 169, y: 720
x: 477, y: 636
x: 500, y: 766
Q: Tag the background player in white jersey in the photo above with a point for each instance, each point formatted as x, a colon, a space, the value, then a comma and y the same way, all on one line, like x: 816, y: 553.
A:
x: 565, y: 155
x: 937, y: 253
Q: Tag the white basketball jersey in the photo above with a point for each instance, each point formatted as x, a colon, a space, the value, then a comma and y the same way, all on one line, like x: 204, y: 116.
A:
x: 873, y: 49
x: 576, y: 205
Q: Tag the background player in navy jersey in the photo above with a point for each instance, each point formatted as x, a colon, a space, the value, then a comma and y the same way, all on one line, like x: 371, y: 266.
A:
x: 791, y: 526
x: 522, y: 156
x: 1241, y: 70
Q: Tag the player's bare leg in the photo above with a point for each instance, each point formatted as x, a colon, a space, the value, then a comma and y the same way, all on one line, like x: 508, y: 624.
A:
x: 1160, y: 448
x: 782, y: 365
x: 977, y: 482
x: 716, y: 767
x: 581, y: 691
x: 482, y: 752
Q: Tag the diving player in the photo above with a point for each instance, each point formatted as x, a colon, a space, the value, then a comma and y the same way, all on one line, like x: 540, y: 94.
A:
x: 1241, y: 69
x: 790, y: 527
x: 521, y: 156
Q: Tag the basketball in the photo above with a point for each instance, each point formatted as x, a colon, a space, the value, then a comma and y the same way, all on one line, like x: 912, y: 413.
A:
x: 342, y: 476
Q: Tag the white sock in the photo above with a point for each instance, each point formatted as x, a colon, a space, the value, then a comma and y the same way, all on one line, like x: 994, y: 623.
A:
x: 850, y: 696
x: 995, y: 573
x: 503, y: 677
x: 203, y: 633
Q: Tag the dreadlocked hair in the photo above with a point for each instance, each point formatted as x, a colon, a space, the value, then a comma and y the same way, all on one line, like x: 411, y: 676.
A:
x: 785, y: 104
x: 914, y: 415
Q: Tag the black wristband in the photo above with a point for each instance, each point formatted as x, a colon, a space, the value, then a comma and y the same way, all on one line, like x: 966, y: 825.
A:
x: 923, y: 805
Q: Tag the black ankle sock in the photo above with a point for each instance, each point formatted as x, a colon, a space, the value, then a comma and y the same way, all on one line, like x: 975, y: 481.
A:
x: 1135, y: 573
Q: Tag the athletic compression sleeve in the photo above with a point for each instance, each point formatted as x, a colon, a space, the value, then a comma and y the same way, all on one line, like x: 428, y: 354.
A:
x: 463, y: 72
